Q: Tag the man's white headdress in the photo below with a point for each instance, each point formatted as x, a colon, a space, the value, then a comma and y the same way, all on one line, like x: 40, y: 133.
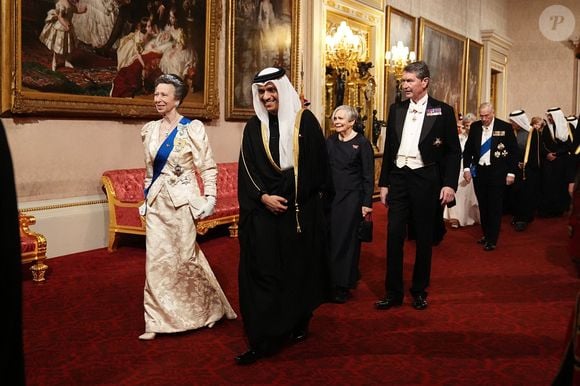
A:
x: 573, y: 120
x: 520, y: 118
x: 288, y: 106
x: 560, y: 131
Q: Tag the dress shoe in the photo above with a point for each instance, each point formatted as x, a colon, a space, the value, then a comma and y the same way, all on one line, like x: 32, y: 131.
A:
x: 340, y: 295
x: 488, y: 247
x: 147, y: 336
x: 419, y: 302
x: 247, y: 358
x: 387, y: 303
x: 482, y: 241
x: 299, y: 335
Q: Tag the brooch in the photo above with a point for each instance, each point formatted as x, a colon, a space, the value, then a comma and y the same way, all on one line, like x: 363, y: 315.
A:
x: 438, y: 142
x: 179, y: 144
x: 178, y: 170
x: 500, y: 146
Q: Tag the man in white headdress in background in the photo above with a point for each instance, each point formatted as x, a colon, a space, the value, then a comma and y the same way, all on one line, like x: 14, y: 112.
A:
x: 284, y: 187
x: 524, y: 193
x: 556, y: 175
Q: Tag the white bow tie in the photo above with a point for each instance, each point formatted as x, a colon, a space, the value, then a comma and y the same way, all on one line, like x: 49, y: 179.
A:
x: 415, y: 109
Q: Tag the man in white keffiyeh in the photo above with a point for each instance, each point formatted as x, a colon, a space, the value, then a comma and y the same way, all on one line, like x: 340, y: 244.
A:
x: 522, y: 195
x: 283, y: 187
x: 557, y: 168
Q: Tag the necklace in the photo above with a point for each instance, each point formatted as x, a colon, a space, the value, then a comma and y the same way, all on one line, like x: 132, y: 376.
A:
x: 347, y: 137
x: 165, y: 132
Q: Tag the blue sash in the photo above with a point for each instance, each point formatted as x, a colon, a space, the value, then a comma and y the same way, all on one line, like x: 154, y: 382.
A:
x: 163, y: 154
x: 485, y: 147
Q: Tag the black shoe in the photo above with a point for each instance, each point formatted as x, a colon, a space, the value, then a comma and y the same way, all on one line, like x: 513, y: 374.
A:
x: 299, y: 335
x: 488, y: 247
x: 340, y: 295
x: 520, y: 226
x: 387, y: 303
x: 482, y: 241
x: 420, y: 302
x: 247, y: 358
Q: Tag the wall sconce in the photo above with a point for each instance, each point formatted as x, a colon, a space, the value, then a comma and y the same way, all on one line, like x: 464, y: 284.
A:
x: 395, y: 61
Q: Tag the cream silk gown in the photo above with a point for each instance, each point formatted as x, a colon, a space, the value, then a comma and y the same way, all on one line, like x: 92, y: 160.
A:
x: 181, y: 291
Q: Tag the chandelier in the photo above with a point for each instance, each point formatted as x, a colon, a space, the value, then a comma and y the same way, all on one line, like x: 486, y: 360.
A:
x: 344, y: 49
x: 397, y: 58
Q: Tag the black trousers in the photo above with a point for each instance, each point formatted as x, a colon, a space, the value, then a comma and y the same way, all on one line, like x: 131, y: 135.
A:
x: 412, y: 199
x: 489, y: 190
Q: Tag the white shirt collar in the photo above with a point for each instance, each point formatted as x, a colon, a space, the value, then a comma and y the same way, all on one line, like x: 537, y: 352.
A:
x: 490, y: 125
x: 420, y: 105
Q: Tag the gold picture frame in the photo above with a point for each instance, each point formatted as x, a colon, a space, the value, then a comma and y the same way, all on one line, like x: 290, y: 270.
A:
x: 400, y: 27
x: 258, y: 38
x: 444, y: 52
x: 377, y: 4
x: 38, y: 89
x: 473, y: 72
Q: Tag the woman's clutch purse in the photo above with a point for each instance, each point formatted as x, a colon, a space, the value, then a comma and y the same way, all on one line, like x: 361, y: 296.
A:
x: 365, y: 229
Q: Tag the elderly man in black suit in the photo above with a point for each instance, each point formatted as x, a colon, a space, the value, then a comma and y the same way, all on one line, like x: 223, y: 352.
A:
x: 419, y: 172
x: 491, y: 150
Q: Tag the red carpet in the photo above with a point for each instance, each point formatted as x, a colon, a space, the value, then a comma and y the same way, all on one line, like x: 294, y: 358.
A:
x: 496, y: 318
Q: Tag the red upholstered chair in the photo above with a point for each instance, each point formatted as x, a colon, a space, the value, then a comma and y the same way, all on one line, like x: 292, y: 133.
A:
x: 32, y: 247
x: 227, y: 209
x: 124, y: 188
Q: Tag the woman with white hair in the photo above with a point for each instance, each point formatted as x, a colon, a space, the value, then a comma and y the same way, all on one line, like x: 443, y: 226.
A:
x: 352, y: 164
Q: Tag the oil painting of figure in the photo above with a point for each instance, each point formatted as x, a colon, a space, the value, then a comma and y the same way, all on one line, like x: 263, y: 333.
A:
x: 112, y: 48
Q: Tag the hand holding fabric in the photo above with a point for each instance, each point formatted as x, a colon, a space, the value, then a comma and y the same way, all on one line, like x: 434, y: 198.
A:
x: 143, y: 209
x: 208, y: 208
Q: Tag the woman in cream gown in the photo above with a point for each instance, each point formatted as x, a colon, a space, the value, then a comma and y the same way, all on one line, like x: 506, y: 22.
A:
x: 181, y: 291
x: 466, y: 210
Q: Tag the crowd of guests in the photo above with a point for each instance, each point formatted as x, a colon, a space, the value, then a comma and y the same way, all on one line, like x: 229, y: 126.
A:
x: 302, y: 198
x: 540, y: 162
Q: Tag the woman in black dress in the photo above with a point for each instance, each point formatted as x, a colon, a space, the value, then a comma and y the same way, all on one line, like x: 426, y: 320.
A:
x: 352, y: 164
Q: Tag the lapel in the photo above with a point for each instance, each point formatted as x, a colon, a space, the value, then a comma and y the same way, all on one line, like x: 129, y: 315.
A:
x: 428, y: 121
x: 478, y: 136
x: 401, y: 114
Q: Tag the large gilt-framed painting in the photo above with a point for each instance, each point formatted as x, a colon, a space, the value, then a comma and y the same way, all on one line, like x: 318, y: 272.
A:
x: 260, y: 34
x: 101, y: 57
x: 400, y: 27
x: 473, y: 77
x: 444, y: 53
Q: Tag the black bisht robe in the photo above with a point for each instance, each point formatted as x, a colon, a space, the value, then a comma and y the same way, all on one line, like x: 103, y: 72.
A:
x: 283, y: 274
x: 555, y: 198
